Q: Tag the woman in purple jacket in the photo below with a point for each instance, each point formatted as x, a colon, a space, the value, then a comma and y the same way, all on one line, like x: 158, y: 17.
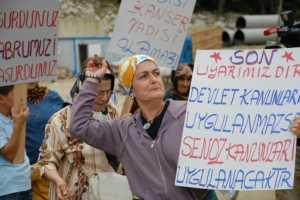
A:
x: 147, y: 144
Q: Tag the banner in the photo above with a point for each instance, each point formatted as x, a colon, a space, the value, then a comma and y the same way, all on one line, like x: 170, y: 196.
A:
x: 236, y: 134
x: 156, y: 28
x: 28, y: 40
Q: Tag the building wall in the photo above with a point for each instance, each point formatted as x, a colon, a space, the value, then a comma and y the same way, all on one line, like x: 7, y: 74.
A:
x: 68, y: 50
x: 77, y: 26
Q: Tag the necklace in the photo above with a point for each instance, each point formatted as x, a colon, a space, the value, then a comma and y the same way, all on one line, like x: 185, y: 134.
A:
x: 148, y: 123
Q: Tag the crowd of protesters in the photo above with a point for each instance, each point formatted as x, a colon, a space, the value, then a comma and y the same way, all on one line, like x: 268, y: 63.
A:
x: 66, y: 144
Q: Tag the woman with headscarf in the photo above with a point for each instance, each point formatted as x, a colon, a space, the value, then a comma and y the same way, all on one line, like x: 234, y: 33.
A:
x: 181, y: 82
x: 67, y: 162
x: 147, y: 144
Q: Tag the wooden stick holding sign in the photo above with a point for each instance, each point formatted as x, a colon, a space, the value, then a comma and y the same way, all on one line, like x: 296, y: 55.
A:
x: 20, y: 98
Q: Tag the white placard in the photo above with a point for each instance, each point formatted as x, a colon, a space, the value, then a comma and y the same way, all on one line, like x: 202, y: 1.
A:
x: 236, y: 133
x: 156, y: 28
x: 28, y: 40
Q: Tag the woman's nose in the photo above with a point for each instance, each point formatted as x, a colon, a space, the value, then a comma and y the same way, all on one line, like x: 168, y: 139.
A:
x: 153, y: 77
x: 186, y: 83
x: 106, y: 96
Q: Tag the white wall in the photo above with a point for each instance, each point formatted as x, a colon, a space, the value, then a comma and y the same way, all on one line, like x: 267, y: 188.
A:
x: 65, y: 54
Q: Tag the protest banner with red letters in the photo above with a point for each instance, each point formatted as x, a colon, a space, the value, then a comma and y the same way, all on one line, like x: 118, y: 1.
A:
x: 236, y: 133
x: 155, y: 28
x: 28, y: 40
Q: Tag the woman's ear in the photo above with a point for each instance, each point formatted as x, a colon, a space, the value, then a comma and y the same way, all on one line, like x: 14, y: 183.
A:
x: 133, y: 91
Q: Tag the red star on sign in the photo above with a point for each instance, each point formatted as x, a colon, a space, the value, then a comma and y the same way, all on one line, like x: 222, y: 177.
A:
x: 288, y: 56
x: 216, y: 56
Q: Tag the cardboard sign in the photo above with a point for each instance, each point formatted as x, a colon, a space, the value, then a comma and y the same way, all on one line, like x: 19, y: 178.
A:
x: 28, y: 40
x: 236, y: 134
x: 155, y: 28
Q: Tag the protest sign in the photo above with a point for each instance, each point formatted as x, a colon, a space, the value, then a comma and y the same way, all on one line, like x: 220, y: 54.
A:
x: 155, y: 28
x: 236, y: 133
x: 27, y: 48
x: 28, y: 40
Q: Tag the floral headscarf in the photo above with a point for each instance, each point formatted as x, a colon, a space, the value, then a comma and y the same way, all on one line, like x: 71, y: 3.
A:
x: 128, y: 67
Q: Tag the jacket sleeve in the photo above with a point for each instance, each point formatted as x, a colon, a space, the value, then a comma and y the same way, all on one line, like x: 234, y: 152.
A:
x: 104, y: 135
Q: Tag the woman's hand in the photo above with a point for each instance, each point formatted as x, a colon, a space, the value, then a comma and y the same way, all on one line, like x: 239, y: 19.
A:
x: 20, y: 115
x: 295, y: 128
x: 97, y: 69
x: 62, y: 190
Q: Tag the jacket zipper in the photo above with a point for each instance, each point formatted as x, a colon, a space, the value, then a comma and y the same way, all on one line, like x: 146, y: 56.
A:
x: 160, y: 167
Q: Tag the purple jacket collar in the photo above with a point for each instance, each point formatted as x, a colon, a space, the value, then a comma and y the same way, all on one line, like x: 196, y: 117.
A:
x: 174, y: 111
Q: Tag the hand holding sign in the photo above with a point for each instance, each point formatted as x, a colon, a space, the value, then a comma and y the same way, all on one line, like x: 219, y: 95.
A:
x: 20, y: 114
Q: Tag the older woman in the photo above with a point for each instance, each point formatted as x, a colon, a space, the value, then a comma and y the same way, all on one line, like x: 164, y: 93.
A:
x: 147, y: 144
x: 181, y: 82
x: 68, y: 163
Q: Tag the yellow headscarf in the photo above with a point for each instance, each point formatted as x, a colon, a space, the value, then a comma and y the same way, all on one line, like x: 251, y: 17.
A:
x: 128, y: 67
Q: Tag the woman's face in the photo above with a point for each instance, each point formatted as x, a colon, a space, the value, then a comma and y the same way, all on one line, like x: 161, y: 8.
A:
x: 184, y: 78
x: 104, y: 93
x: 147, y: 82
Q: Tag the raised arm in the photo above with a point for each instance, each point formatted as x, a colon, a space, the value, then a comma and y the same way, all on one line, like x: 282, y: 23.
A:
x: 105, y: 135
